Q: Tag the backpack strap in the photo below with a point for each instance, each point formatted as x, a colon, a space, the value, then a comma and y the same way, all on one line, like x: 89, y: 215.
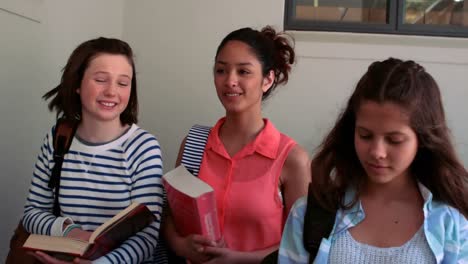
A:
x: 192, y: 156
x: 194, y: 147
x: 318, y: 224
x: 63, y: 137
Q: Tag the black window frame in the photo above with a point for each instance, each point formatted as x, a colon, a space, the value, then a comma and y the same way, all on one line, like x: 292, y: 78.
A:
x: 395, y: 24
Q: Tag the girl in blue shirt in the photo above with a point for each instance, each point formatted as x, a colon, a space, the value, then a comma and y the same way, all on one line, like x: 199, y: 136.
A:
x: 390, y: 170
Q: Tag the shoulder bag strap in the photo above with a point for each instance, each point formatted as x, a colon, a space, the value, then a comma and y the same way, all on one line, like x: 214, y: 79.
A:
x: 194, y: 147
x: 63, y: 137
x: 318, y: 224
x: 191, y: 158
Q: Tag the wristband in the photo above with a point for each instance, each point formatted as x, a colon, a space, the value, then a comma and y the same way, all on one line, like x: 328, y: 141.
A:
x: 70, y: 228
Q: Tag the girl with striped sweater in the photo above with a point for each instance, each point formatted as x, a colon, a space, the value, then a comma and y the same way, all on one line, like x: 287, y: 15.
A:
x: 111, y: 162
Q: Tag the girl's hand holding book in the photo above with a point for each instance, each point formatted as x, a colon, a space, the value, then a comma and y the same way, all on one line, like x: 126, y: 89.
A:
x: 79, y: 233
x: 194, y: 247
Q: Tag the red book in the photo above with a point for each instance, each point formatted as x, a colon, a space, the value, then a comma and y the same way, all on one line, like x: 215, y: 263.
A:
x: 193, y: 204
x: 104, y: 239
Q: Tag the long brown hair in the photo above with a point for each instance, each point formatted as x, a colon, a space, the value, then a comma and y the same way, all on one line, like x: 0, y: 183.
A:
x: 336, y: 166
x: 65, y: 100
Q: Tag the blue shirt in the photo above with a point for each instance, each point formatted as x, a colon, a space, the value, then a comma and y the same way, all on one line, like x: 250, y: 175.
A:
x: 445, y: 228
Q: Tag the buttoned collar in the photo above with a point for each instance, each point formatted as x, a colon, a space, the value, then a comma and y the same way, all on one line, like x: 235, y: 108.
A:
x: 354, y: 215
x: 266, y: 143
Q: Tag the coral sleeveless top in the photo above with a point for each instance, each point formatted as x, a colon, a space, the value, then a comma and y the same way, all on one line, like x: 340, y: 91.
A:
x: 250, y: 209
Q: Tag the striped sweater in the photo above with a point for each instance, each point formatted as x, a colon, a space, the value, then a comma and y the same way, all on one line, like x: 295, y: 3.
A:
x: 98, y: 181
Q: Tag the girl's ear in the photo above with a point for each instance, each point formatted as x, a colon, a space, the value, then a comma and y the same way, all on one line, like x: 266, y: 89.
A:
x: 77, y: 90
x: 268, y: 81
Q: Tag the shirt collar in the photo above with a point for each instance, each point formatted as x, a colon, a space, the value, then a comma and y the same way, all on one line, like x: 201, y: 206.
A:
x: 348, y: 218
x: 355, y: 214
x: 425, y: 193
x: 427, y: 196
x: 266, y: 143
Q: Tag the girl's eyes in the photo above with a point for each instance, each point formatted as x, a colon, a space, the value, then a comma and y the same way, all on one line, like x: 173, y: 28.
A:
x: 365, y: 136
x: 122, y: 84
x: 395, y: 141
x: 239, y: 72
x: 390, y: 140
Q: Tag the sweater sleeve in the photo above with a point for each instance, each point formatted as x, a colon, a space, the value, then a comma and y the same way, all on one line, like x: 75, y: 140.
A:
x: 146, y: 163
x: 38, y: 217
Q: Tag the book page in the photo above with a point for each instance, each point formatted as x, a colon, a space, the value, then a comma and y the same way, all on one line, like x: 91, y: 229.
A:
x: 181, y: 179
x: 56, y: 244
x: 111, y: 221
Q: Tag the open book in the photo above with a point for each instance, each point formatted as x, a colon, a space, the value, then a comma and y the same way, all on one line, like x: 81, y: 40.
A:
x: 193, y: 204
x: 104, y: 239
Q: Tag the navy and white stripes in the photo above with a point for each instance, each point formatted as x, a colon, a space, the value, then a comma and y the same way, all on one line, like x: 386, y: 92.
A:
x: 96, y: 183
x: 194, y: 147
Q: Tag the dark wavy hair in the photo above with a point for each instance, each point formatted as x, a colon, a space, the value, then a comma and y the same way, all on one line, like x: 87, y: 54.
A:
x: 274, y: 50
x: 66, y: 101
x: 405, y: 83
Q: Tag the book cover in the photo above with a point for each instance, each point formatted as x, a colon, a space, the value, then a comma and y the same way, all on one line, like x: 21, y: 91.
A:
x: 193, y: 204
x: 104, y: 239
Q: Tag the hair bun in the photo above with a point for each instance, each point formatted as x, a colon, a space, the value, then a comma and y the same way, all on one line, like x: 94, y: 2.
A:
x: 269, y: 32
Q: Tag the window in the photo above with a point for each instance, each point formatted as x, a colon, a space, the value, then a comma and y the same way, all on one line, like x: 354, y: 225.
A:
x: 416, y: 17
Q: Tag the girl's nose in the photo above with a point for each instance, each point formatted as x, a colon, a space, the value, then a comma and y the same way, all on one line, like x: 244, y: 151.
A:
x: 378, y: 150
x: 110, y: 89
x: 231, y: 79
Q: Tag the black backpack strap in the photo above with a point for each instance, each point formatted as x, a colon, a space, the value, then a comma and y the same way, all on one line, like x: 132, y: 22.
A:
x: 318, y: 224
x: 271, y: 258
x: 63, y: 137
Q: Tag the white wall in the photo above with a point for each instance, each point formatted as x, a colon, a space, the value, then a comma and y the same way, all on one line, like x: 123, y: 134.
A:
x: 330, y: 64
x: 175, y: 42
x: 32, y: 54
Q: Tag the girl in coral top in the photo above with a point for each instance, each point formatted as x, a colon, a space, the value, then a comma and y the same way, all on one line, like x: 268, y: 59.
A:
x: 256, y: 171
